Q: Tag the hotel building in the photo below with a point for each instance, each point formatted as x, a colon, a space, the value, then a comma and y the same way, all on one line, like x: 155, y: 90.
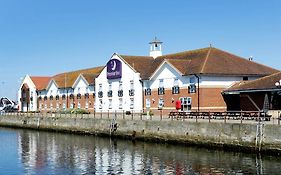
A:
x: 144, y: 83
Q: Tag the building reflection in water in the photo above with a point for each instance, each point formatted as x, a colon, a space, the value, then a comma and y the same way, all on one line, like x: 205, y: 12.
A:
x: 56, y: 153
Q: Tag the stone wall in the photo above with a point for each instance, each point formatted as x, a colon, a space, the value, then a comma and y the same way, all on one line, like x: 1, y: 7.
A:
x: 217, y: 134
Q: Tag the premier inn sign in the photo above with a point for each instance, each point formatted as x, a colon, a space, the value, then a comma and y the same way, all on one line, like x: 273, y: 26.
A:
x: 114, y: 69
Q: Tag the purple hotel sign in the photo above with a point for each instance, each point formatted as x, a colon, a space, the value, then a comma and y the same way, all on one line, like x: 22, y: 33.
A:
x: 114, y: 69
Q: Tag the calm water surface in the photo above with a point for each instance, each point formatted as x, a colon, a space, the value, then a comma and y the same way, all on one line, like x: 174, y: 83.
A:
x: 32, y: 152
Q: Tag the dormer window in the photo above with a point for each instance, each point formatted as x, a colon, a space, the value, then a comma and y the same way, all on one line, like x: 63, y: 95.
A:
x: 57, y: 97
x: 63, y: 96
x: 51, y: 97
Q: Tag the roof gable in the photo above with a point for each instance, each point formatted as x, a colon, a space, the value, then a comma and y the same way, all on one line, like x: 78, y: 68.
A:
x: 79, y: 78
x: 66, y: 80
x: 40, y: 82
x: 267, y: 82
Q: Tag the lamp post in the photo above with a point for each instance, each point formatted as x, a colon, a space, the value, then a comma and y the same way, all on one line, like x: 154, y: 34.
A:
x: 198, y: 93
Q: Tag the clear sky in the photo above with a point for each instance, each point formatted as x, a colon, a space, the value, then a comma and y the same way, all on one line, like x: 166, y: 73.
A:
x: 55, y: 36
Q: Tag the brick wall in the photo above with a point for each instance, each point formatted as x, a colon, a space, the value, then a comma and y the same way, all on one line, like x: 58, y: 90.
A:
x: 210, y: 100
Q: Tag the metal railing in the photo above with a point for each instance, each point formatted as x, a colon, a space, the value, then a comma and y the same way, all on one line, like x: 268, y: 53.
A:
x: 165, y: 115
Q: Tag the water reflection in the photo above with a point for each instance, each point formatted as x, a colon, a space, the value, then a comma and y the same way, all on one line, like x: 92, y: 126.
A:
x: 56, y: 153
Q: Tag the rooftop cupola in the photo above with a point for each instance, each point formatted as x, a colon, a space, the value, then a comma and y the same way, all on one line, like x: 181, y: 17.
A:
x: 155, y: 48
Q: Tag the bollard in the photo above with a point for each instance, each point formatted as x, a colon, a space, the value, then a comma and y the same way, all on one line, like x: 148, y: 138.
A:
x: 108, y: 114
x: 161, y: 113
x: 132, y: 115
x: 123, y: 115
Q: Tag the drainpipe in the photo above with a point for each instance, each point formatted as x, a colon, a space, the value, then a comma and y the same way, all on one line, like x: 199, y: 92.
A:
x: 198, y: 94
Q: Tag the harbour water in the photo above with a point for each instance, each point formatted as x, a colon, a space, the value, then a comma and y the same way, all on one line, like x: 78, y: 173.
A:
x: 38, y: 152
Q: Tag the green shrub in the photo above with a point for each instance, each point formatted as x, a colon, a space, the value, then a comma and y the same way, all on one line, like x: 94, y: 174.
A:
x: 79, y: 111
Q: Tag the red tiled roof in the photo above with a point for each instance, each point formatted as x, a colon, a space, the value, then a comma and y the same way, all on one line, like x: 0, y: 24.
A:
x: 201, y: 61
x: 40, y: 82
x: 65, y: 80
x: 267, y: 82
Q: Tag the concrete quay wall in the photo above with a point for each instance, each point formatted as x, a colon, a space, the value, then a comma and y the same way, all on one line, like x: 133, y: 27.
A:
x: 247, y: 136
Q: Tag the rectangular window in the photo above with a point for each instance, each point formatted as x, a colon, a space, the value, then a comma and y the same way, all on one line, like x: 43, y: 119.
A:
x: 132, y: 84
x: 120, y: 103
x: 100, y: 105
x: 192, y: 80
x: 131, y: 92
x: 86, y: 105
x: 57, y: 105
x: 109, y: 86
x: 100, y: 87
x: 185, y: 103
x: 161, y: 91
x: 131, y: 103
x: 71, y: 105
x: 175, y: 90
x: 176, y: 82
x: 64, y: 106
x: 109, y: 103
x: 45, y: 106
x: 147, y: 102
x: 161, y: 83
x: 78, y: 105
x: 120, y: 86
x: 192, y: 88
x: 161, y: 103
x: 147, y: 91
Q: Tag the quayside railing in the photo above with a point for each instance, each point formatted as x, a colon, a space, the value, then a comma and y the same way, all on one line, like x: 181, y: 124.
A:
x: 165, y: 115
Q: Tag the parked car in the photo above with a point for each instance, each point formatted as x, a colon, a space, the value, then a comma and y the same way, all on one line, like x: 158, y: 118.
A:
x: 7, y: 105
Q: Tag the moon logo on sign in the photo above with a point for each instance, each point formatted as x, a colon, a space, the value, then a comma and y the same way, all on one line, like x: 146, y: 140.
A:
x: 113, y: 64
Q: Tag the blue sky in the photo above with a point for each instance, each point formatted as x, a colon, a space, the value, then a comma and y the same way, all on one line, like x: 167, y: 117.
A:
x: 54, y: 36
